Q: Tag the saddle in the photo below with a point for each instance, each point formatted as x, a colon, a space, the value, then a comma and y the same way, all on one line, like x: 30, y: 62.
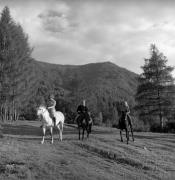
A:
x: 83, y: 118
x: 52, y: 117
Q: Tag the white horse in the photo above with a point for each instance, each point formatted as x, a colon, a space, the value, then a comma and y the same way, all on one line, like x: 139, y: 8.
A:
x: 47, y: 121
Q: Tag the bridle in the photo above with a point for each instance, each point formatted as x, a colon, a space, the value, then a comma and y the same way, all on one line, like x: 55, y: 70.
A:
x: 43, y: 111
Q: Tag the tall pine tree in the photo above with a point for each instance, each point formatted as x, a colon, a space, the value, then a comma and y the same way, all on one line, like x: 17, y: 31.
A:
x: 15, y: 55
x: 156, y: 90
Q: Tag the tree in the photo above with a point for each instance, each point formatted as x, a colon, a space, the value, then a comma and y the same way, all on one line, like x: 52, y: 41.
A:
x: 14, y: 72
x: 156, y: 90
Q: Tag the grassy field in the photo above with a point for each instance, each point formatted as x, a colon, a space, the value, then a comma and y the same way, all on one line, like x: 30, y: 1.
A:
x: 102, y: 156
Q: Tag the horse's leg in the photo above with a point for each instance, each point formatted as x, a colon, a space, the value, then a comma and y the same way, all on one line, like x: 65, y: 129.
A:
x: 87, y: 134
x: 130, y: 125
x: 90, y: 128
x: 83, y: 133
x: 121, y: 135
x: 132, y: 133
x: 58, y: 127
x: 127, y: 135
x: 44, y: 132
x: 87, y: 130
x: 61, y: 130
x: 127, y: 123
x: 79, y: 132
x: 51, y: 133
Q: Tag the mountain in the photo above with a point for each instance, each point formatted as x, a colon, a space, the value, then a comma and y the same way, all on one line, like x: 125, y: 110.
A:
x: 99, y: 83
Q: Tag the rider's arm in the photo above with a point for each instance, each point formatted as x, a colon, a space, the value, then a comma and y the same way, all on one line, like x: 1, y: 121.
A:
x: 79, y: 109
x: 128, y: 110
x: 54, y: 104
x: 85, y: 109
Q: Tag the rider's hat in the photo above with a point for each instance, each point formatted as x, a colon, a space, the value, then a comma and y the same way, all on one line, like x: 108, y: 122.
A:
x: 126, y: 103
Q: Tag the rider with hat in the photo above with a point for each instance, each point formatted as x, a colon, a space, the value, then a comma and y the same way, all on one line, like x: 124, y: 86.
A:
x: 82, y: 110
x: 51, y: 108
x: 127, y: 111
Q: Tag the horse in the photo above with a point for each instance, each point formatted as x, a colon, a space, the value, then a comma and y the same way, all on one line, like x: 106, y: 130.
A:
x: 125, y: 122
x: 85, y: 123
x: 47, y: 122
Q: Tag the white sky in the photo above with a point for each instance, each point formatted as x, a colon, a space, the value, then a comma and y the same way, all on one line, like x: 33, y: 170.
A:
x: 80, y: 32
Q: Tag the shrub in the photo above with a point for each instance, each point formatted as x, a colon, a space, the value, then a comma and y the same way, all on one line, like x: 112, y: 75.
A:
x: 139, y: 125
x: 167, y: 128
x: 170, y: 126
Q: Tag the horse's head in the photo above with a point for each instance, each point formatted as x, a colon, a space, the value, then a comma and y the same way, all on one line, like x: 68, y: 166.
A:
x: 40, y: 110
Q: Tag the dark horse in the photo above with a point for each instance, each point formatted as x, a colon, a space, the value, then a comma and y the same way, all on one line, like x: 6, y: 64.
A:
x: 84, y: 123
x: 125, y: 123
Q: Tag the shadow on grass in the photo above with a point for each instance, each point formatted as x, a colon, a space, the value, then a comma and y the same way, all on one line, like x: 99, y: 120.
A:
x: 33, y: 130
x: 30, y: 130
x: 21, y: 130
x: 169, y: 137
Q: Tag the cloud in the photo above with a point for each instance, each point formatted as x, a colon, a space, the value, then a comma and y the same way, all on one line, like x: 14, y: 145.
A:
x: 54, y: 22
x: 54, y: 19
x: 78, y: 32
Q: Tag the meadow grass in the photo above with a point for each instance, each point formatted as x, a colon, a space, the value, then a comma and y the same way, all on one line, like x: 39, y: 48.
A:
x: 102, y: 156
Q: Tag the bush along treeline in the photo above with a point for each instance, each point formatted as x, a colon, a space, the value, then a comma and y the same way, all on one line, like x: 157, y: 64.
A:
x: 156, y: 92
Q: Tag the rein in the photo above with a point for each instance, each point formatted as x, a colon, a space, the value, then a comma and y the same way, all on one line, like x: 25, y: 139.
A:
x: 44, y: 111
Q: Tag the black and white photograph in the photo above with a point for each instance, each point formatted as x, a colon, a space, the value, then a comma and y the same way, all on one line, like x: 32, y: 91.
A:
x: 87, y: 90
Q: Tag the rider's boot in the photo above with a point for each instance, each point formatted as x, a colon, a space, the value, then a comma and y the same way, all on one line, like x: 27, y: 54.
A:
x: 54, y: 121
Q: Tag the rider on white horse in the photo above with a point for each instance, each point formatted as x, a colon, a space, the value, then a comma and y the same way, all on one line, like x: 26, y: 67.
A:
x: 47, y: 121
x: 51, y: 108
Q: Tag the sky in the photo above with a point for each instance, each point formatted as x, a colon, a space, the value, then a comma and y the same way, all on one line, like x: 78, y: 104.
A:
x: 78, y: 32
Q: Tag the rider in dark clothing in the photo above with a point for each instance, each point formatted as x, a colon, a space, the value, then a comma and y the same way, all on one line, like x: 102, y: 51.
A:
x: 82, y: 110
x: 124, y: 113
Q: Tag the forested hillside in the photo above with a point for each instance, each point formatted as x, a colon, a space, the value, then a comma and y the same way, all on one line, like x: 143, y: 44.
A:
x: 99, y: 83
x: 26, y: 83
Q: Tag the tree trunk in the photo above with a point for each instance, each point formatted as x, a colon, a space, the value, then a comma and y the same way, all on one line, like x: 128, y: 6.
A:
x: 161, y: 121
